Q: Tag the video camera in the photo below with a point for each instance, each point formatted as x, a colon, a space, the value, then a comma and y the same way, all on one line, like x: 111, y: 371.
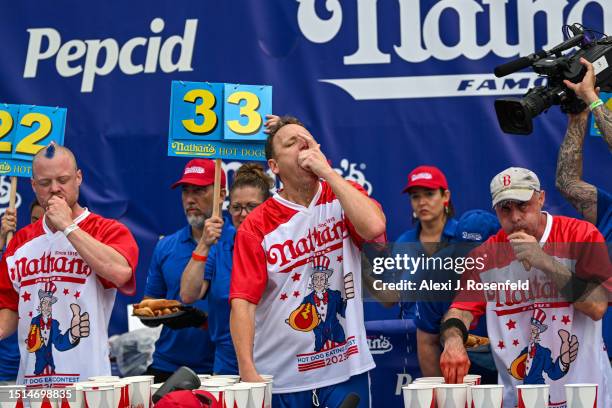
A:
x: 515, y: 114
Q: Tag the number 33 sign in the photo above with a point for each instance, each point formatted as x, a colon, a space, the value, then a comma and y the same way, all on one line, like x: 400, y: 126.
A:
x: 218, y: 120
x: 24, y: 130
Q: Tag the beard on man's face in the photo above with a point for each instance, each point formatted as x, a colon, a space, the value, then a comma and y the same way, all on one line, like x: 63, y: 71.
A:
x: 196, y: 221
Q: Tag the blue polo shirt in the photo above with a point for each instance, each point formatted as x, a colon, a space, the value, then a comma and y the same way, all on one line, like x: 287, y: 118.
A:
x: 407, y: 309
x: 473, y: 228
x: 412, y: 235
x: 604, y: 225
x: 9, y: 358
x: 218, y: 271
x: 189, y: 347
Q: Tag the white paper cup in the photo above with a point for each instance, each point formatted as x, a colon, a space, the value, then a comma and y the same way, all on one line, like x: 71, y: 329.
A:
x: 72, y: 397
x: 581, y: 395
x: 431, y: 380
x: 42, y: 401
x: 268, y: 394
x: 99, y: 395
x: 139, y: 390
x: 122, y: 394
x: 472, y: 378
x: 234, y: 377
x: 258, y: 397
x: 224, y: 380
x: 10, y: 395
x: 203, y: 377
x: 257, y: 394
x: 267, y: 377
x: 487, y: 396
x: 139, y: 378
x: 241, y: 395
x: 216, y: 383
x: 155, y: 387
x: 228, y: 397
x: 451, y: 395
x: 532, y: 395
x: 104, y: 378
x: 419, y: 396
x: 218, y: 391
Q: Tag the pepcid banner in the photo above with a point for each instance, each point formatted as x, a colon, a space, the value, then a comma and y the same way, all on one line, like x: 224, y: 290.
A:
x: 384, y: 86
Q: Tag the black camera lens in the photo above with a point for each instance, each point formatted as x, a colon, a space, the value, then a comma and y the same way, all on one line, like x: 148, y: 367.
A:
x: 513, y: 117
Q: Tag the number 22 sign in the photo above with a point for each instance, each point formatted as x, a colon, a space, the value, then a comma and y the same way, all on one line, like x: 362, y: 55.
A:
x: 24, y: 130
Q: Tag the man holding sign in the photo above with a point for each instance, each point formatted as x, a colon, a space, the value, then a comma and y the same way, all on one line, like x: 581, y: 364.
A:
x: 312, y: 228
x: 59, y: 277
x: 170, y: 258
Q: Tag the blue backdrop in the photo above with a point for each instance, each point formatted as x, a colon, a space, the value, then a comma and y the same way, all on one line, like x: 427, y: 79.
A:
x: 383, y: 85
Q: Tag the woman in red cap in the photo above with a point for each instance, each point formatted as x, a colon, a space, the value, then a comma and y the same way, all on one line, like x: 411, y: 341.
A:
x: 432, y: 214
x: 432, y: 209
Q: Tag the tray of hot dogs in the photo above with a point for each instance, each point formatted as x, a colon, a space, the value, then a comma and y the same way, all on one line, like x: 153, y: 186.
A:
x: 171, y: 313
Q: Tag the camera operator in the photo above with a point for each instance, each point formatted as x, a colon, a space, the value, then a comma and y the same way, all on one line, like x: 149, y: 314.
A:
x: 594, y: 203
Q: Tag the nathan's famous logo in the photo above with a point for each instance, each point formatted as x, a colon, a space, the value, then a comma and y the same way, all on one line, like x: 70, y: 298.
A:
x: 97, y: 57
x: 316, y: 238
x: 4, y: 167
x: 193, y: 148
x: 538, y: 290
x: 47, y: 264
x: 421, y: 39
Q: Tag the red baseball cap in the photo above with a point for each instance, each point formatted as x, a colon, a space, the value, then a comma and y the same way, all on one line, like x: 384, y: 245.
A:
x: 426, y: 176
x: 188, y: 399
x: 200, y: 172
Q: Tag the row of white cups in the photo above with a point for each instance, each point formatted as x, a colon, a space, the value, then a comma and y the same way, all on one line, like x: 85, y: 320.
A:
x: 135, y: 392
x: 230, y: 392
x: 99, y: 392
x: 426, y: 392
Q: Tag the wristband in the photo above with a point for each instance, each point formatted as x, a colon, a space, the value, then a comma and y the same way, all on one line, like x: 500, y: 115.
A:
x: 595, y: 104
x: 454, y: 322
x: 72, y: 227
x: 200, y: 258
x: 574, y: 289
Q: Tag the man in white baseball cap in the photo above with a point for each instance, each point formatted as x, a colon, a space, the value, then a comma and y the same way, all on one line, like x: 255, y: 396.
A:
x: 514, y: 183
x: 542, y: 249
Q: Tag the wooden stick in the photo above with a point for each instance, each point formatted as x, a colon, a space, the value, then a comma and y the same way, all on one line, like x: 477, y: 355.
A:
x: 12, y: 199
x: 217, y: 188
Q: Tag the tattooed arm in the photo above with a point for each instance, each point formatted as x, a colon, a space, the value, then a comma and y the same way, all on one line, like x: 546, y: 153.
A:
x: 582, y: 195
x: 603, y: 118
x: 586, y: 91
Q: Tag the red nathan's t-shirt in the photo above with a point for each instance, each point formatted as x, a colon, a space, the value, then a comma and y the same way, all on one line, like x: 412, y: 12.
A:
x: 307, y: 334
x: 532, y: 329
x: 47, y: 283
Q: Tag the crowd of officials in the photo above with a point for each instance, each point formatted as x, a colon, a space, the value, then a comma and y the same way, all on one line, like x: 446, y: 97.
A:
x: 280, y: 275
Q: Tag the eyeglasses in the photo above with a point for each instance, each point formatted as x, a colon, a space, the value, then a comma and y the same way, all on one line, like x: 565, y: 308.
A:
x: 236, y: 209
